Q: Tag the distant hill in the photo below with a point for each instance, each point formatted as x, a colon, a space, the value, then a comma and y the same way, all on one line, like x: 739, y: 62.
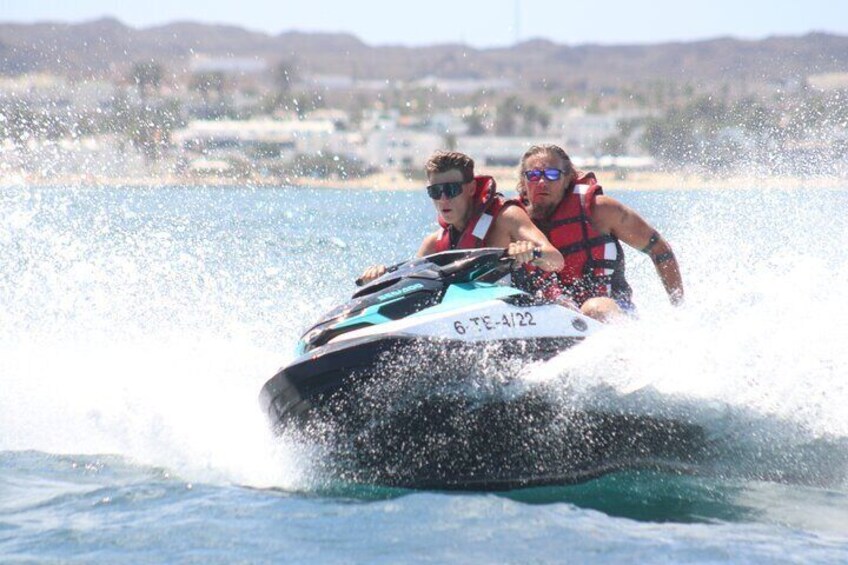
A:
x: 107, y: 47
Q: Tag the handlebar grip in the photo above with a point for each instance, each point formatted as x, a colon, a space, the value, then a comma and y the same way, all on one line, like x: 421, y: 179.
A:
x: 537, y: 254
x: 390, y: 269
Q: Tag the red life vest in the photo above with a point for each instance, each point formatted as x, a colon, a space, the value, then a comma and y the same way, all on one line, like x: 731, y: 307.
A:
x: 594, y: 261
x: 487, y: 203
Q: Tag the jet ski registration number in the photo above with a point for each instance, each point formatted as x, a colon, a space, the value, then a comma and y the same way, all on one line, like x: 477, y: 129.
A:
x: 489, y: 323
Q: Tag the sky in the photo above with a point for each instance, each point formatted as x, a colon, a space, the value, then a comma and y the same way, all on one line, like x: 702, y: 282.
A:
x: 489, y: 23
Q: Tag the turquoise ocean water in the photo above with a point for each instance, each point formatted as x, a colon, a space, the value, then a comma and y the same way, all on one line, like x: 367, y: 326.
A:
x: 138, y: 326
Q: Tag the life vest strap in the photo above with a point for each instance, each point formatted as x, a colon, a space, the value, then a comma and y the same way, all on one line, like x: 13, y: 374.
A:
x: 565, y: 221
x: 585, y: 244
x: 481, y: 229
x: 604, y: 263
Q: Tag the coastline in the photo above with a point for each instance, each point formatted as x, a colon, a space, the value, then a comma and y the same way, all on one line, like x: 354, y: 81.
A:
x: 397, y: 180
x: 638, y: 180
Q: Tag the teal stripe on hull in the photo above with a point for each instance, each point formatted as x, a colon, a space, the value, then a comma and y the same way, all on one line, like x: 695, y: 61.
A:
x: 466, y: 294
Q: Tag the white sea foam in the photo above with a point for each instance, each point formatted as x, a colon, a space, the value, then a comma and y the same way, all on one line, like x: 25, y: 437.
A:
x: 756, y: 356
x: 187, y: 403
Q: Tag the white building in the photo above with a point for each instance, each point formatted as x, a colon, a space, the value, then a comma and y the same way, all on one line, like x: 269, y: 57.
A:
x: 580, y: 132
x: 400, y: 148
x: 228, y: 65
x: 463, y: 86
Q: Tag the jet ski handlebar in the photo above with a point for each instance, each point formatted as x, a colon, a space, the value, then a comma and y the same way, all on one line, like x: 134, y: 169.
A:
x: 490, y: 264
x: 454, y: 263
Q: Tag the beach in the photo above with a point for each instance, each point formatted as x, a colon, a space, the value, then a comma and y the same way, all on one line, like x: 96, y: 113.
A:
x: 639, y: 180
x: 506, y: 178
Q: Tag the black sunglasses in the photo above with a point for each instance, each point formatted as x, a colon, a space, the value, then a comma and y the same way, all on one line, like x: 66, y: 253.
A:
x: 449, y: 189
x: 550, y: 174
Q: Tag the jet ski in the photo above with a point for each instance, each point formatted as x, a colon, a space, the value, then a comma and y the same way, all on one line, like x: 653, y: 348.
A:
x: 415, y: 382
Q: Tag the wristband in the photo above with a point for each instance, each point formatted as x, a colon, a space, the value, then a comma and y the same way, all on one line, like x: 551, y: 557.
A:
x: 663, y: 257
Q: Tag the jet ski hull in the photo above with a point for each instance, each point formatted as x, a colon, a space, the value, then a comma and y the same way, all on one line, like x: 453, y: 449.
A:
x: 414, y: 383
x: 334, y: 369
x: 405, y: 412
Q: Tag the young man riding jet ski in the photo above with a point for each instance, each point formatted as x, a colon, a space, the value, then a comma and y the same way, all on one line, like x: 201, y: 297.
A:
x: 472, y: 214
x: 570, y: 208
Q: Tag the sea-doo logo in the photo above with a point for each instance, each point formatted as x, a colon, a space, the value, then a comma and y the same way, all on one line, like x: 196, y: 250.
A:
x: 400, y: 292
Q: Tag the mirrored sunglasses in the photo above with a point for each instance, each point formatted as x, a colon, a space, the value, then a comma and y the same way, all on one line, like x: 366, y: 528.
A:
x: 550, y: 174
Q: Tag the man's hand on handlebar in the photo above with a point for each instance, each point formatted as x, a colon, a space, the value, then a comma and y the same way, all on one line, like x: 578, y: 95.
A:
x: 371, y: 273
x: 522, y: 252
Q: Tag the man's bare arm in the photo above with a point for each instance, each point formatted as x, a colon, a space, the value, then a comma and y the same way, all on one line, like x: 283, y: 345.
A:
x: 428, y: 246
x: 521, y: 228
x: 613, y: 217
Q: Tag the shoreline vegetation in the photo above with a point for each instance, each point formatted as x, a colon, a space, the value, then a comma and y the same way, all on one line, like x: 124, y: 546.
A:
x: 223, y: 106
x: 506, y: 178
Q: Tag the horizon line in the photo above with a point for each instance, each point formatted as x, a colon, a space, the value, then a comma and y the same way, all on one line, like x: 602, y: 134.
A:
x: 520, y: 42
